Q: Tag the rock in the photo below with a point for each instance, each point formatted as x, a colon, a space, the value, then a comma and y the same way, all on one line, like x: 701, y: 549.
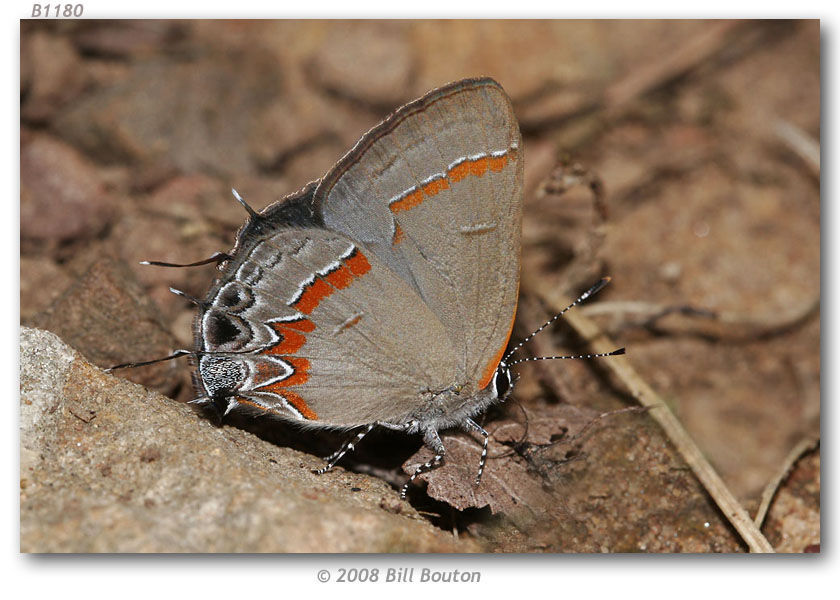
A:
x: 371, y: 63
x: 107, y: 466
x: 126, y: 39
x: 54, y: 75
x: 42, y: 280
x: 197, y: 114
x: 62, y: 194
x: 106, y: 314
x: 292, y: 125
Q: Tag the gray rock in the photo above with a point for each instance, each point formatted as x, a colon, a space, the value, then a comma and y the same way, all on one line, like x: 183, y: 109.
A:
x: 108, y: 466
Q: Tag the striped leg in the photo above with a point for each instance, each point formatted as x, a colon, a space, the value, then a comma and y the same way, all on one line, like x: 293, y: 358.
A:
x: 432, y: 440
x: 346, y: 447
x: 469, y: 425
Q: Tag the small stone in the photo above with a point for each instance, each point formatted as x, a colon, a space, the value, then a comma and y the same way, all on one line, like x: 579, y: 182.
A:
x: 62, y: 194
x: 42, y: 280
x: 670, y: 271
x: 53, y: 75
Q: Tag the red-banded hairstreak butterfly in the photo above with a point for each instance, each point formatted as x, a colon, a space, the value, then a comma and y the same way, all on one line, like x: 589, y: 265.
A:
x: 384, y: 294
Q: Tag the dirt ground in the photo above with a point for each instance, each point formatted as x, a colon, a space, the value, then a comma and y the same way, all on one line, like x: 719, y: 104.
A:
x: 681, y: 158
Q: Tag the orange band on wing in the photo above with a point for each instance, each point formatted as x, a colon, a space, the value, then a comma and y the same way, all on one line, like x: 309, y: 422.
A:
x: 323, y: 286
x: 291, y: 333
x: 476, y: 167
x: 300, y: 404
x: 458, y: 172
x: 290, y: 340
x: 436, y: 185
x: 299, y: 324
x: 409, y: 202
x: 340, y: 278
x: 300, y: 375
x: 357, y: 263
x: 398, y: 235
x: 312, y: 296
x: 497, y: 163
x: 290, y: 397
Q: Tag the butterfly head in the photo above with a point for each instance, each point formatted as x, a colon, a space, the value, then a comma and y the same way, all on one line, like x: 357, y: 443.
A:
x: 503, y: 380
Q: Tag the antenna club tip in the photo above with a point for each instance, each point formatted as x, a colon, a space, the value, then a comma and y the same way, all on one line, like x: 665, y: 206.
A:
x: 253, y: 214
x: 145, y: 262
x: 606, y: 279
x: 618, y: 352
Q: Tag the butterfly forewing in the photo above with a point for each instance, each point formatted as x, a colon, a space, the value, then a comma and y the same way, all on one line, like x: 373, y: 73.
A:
x: 435, y: 192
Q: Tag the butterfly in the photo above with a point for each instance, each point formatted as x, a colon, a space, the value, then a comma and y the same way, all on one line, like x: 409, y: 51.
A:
x: 384, y: 294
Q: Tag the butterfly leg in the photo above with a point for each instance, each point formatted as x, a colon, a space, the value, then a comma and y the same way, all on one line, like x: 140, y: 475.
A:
x: 346, y: 447
x: 469, y: 426
x: 432, y: 440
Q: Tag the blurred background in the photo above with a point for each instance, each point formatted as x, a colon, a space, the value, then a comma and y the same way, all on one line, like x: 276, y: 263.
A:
x: 700, y: 137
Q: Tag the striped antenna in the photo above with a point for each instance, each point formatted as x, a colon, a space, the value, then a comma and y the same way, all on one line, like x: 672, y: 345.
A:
x: 587, y: 294
x: 576, y: 356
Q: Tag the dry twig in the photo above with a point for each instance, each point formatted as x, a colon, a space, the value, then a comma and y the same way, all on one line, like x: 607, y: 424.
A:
x: 807, y: 148
x: 726, y: 326
x: 804, y: 446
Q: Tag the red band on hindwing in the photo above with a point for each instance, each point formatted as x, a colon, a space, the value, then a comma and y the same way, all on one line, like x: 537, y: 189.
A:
x: 357, y: 263
x: 292, y: 336
x: 292, y: 398
x: 312, y: 295
x: 323, y: 286
x: 340, y: 278
x: 299, y: 375
x: 300, y: 404
x: 304, y: 325
x: 290, y: 340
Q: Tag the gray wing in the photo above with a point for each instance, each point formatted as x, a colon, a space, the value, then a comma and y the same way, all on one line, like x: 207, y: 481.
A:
x: 310, y: 325
x: 435, y: 193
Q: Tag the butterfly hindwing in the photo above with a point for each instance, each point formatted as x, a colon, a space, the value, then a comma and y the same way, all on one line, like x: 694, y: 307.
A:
x: 311, y: 324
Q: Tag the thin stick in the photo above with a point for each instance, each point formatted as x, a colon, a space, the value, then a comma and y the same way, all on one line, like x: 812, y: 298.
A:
x: 644, y: 394
x: 806, y: 147
x: 720, y: 325
x: 693, y: 52
x: 804, y: 446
